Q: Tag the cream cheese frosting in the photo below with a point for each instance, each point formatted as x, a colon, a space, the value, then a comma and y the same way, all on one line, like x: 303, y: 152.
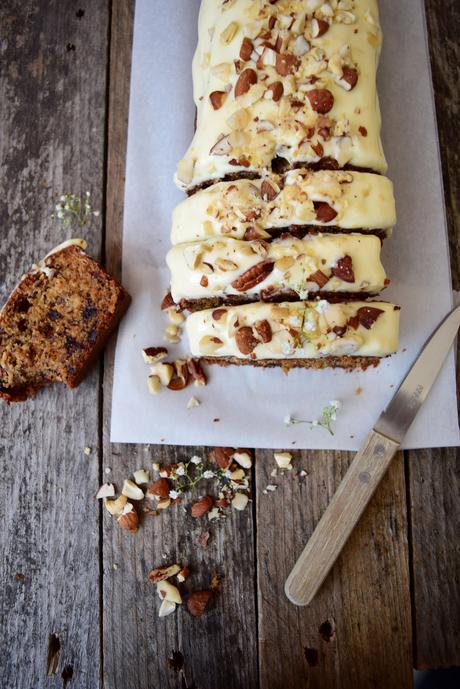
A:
x: 298, y: 330
x: 224, y: 267
x: 356, y: 200
x: 294, y: 79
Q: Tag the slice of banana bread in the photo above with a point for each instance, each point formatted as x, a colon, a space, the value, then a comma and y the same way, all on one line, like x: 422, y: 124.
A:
x: 56, y: 322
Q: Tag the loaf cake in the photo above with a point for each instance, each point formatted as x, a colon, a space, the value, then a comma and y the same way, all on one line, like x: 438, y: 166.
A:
x: 276, y: 250
x: 310, y: 334
x: 56, y: 322
x: 283, y: 84
x: 215, y: 271
x: 300, y: 200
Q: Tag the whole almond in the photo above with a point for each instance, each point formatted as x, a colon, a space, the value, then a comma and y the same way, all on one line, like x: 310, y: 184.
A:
x: 222, y: 456
x: 245, y: 340
x: 246, y: 49
x: 321, y: 100
x: 277, y: 90
x: 344, y: 269
x: 350, y: 75
x: 217, y: 99
x: 286, y: 64
x: 268, y: 192
x: 198, y: 601
x: 202, y: 506
x: 247, y: 78
x: 159, y: 488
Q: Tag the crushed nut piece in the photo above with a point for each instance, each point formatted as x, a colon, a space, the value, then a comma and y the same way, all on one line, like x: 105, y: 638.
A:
x: 240, y: 501
x: 193, y: 402
x: 152, y: 355
x: 243, y: 458
x: 141, y: 476
x: 154, y: 385
x: 129, y: 518
x: 161, y: 573
x: 115, y: 507
x: 283, y: 459
x: 168, y: 591
x: 166, y: 608
x: 132, y: 491
x: 107, y: 490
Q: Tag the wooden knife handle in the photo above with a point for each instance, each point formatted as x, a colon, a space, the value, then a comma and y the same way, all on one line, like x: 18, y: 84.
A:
x: 340, y: 518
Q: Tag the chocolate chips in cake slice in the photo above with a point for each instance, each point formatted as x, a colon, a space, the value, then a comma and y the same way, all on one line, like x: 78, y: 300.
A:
x: 56, y: 322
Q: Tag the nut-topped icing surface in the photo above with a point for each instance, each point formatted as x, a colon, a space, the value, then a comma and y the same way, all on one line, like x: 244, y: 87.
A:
x: 298, y: 330
x: 288, y: 79
x: 253, y: 208
x: 259, y: 269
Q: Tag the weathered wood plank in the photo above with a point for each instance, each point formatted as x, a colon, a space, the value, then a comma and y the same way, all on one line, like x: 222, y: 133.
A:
x: 434, y: 476
x: 52, y: 112
x: 220, y: 647
x: 364, y: 604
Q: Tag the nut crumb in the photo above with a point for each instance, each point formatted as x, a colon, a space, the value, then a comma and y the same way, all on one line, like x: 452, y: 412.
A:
x: 193, y: 402
x: 87, y: 451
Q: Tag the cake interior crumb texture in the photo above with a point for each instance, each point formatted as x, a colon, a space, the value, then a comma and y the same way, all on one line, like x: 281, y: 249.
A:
x: 56, y: 322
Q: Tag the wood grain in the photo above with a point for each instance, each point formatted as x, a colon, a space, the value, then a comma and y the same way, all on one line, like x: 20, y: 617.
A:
x: 52, y: 113
x: 434, y: 476
x: 219, y: 648
x: 357, y: 631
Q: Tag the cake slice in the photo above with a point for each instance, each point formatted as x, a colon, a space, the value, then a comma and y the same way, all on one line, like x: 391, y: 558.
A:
x: 56, y: 322
x: 218, y: 271
x: 282, y: 84
x: 301, y: 201
x: 308, y: 334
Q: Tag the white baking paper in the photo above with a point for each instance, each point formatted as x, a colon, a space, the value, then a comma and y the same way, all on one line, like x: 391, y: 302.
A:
x: 244, y: 406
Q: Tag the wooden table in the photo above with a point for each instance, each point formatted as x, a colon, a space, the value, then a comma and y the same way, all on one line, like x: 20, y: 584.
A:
x: 76, y: 605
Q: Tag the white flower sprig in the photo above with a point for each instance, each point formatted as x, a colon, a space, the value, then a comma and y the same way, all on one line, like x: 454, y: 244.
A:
x: 74, y: 209
x: 328, y: 416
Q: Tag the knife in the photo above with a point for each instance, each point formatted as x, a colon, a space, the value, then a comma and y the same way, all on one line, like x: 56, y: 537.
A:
x: 369, y: 466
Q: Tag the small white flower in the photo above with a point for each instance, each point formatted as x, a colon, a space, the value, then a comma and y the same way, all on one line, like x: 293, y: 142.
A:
x: 96, y: 214
x: 174, y: 494
x: 208, y: 474
x: 336, y: 404
x: 87, y: 193
x: 315, y: 423
x: 288, y: 420
x: 180, y: 471
x: 196, y: 460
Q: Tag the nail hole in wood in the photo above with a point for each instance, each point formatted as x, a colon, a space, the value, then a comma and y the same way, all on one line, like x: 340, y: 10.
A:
x: 54, y: 651
x: 311, y: 656
x: 70, y: 47
x: 79, y: 14
x: 67, y: 675
x: 327, y: 630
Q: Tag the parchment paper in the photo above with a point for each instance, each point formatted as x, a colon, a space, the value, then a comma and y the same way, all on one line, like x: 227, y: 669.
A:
x: 250, y: 405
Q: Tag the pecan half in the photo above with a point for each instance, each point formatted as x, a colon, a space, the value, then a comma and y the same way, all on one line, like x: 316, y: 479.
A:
x: 344, y: 269
x: 196, y: 371
x: 264, y: 330
x: 245, y: 340
x: 251, y: 277
x: 159, y: 488
x: 218, y: 313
